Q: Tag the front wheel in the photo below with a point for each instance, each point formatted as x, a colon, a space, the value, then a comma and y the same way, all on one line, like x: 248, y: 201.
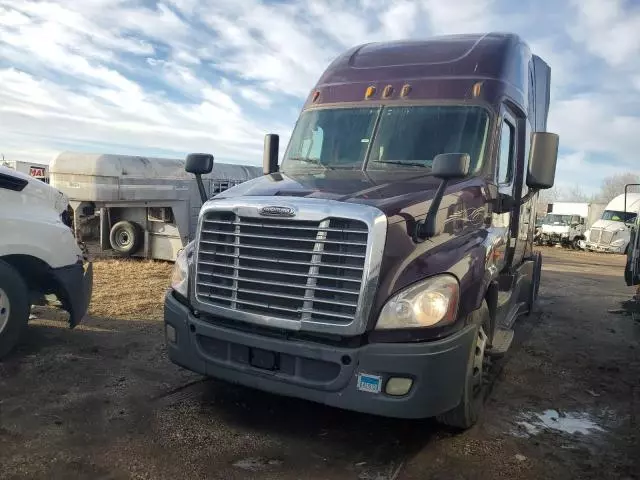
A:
x: 14, y: 307
x: 468, y: 411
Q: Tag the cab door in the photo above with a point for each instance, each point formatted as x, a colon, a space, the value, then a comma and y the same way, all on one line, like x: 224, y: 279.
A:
x: 509, y: 180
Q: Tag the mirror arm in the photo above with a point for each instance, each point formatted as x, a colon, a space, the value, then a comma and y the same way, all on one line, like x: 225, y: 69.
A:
x: 427, y: 228
x: 529, y: 195
x: 203, y: 193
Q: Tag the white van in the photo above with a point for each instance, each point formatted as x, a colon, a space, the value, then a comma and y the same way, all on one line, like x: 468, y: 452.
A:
x: 39, y: 255
x: 611, y: 233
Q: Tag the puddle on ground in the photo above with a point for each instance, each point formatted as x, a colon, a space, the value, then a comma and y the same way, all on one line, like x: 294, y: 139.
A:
x: 567, y: 422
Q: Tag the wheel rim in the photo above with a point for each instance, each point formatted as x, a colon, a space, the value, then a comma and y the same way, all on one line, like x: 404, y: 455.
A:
x: 5, y: 310
x: 122, y: 238
x: 477, y: 379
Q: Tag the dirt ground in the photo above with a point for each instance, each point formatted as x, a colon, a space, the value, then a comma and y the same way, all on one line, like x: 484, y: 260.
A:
x: 103, y: 402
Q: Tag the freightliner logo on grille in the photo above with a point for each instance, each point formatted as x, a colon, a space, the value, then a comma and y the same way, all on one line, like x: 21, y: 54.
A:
x: 277, y: 211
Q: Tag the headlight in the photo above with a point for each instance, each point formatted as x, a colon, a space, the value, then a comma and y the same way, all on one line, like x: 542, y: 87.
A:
x: 180, y: 273
x: 428, y: 303
x: 618, y: 243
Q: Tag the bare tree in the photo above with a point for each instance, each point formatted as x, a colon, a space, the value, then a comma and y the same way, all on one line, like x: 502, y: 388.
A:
x: 614, y: 185
x: 575, y: 194
x: 546, y: 197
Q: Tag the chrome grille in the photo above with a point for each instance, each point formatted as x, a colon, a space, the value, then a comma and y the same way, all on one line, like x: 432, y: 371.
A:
x: 606, y: 237
x: 287, y: 268
x: 594, y: 235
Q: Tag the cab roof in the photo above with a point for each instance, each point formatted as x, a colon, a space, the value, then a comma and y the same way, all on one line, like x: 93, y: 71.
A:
x: 476, y: 55
x: 444, y: 67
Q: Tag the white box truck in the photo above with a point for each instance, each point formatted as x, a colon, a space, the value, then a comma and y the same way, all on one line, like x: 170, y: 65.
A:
x: 566, y: 223
x: 38, y: 255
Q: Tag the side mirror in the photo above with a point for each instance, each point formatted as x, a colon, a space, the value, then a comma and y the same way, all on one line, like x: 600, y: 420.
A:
x: 199, y: 163
x: 543, y: 156
x: 270, y: 154
x: 446, y: 166
x: 449, y: 166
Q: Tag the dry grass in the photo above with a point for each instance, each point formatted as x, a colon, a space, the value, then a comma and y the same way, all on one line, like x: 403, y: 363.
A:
x: 129, y: 289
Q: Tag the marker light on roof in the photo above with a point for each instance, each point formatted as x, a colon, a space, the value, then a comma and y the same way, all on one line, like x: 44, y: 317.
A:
x: 316, y: 94
x: 388, y: 90
x: 369, y: 92
x: 405, y: 90
x: 476, y: 89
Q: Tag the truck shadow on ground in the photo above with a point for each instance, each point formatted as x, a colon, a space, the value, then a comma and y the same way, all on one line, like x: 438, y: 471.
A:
x: 107, y: 357
x: 350, y: 435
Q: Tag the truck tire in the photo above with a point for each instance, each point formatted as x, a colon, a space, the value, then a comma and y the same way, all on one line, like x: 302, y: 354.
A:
x: 468, y: 411
x: 126, y: 238
x: 14, y: 308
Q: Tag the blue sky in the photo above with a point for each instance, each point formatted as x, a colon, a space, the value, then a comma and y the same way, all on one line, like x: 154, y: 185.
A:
x: 175, y: 76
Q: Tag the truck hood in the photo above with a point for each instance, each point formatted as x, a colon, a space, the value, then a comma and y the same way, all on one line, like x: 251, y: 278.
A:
x: 394, y: 193
x: 40, y: 192
x: 609, y: 225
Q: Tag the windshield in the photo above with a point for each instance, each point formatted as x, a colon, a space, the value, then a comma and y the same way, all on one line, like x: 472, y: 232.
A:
x: 557, y: 219
x: 385, y: 137
x: 616, y: 216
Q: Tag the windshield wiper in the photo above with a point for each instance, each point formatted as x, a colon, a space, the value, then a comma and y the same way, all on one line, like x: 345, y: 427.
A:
x: 400, y: 162
x: 314, y: 161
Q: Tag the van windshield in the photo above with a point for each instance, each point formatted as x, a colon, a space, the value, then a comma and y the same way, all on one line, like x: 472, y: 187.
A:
x: 616, y: 216
x: 390, y: 137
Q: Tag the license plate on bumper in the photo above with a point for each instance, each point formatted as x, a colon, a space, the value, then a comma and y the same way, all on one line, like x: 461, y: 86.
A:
x: 369, y: 383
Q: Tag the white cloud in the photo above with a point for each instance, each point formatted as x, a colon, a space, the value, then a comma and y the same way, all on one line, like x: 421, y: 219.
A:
x: 608, y: 29
x: 455, y: 16
x: 590, y: 123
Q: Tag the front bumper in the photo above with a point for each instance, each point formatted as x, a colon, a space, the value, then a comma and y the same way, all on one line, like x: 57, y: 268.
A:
x: 323, y: 373
x: 555, y: 237
x: 74, y: 289
x: 596, y: 247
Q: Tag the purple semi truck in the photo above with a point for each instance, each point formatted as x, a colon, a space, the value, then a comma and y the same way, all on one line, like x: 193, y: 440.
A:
x: 383, y: 263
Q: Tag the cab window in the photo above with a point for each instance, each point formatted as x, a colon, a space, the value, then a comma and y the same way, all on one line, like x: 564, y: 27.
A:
x: 505, y: 158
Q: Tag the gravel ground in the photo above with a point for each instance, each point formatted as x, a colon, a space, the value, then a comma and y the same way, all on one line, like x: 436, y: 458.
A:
x: 103, y: 402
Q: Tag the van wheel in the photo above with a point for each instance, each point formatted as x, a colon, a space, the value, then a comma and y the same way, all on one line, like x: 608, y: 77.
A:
x: 126, y: 238
x: 468, y: 411
x: 14, y: 307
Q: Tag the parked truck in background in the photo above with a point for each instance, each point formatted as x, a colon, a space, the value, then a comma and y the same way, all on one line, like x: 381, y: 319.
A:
x: 612, y: 232
x: 38, y: 255
x: 383, y: 264
x: 126, y: 205
x: 566, y: 222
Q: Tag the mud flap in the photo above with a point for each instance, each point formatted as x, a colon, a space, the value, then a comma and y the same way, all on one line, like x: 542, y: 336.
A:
x: 632, y: 267
x: 75, y: 287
